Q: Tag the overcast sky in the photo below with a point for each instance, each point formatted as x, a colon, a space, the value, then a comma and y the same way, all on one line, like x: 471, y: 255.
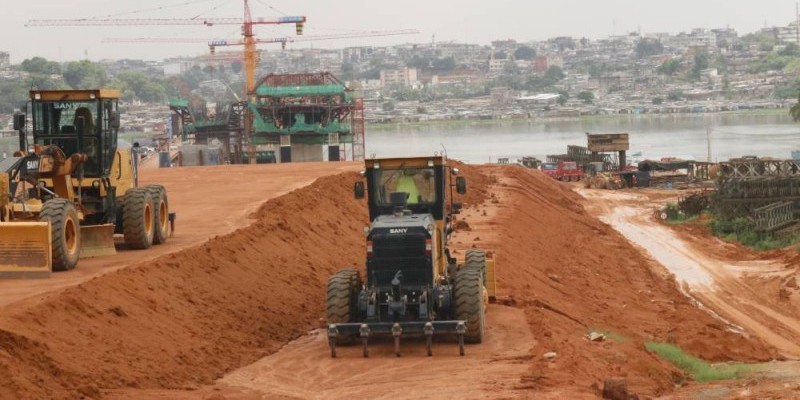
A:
x: 449, y: 20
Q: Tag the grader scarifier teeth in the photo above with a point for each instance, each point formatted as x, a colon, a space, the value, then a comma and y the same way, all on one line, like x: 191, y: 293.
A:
x: 396, y: 330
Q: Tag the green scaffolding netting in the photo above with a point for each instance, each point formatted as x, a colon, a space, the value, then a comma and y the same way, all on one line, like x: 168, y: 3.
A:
x: 300, y: 125
x: 301, y: 90
x: 179, y: 103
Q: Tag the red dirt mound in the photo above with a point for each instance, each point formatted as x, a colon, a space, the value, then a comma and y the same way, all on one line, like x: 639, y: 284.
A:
x: 186, y: 318
x: 573, y: 274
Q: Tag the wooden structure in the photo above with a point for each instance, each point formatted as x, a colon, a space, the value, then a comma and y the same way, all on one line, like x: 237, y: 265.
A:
x: 607, y: 143
x: 749, y: 186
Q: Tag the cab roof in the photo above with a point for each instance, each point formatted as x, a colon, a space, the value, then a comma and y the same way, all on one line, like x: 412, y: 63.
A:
x: 406, y: 162
x: 71, y: 95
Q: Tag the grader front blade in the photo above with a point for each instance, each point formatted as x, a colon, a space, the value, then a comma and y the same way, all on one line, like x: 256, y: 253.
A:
x: 25, y: 250
x: 97, y: 240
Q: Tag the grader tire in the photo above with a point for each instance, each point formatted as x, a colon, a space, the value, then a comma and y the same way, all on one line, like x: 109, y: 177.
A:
x: 138, y: 224
x: 160, y: 212
x: 469, y: 303
x: 65, y: 232
x: 476, y: 258
x: 343, y: 288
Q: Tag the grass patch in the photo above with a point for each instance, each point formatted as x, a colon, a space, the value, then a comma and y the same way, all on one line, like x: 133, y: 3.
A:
x: 698, y: 369
x: 682, y: 219
x: 741, y: 230
x: 608, y: 334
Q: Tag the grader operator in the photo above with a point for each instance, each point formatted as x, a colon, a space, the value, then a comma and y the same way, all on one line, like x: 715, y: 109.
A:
x: 413, y: 286
x: 66, y: 193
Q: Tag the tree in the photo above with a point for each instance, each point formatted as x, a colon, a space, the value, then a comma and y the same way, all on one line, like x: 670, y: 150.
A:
x: 444, y: 64
x: 647, y: 47
x: 790, y: 50
x: 795, y: 110
x: 39, y: 65
x: 563, y: 96
x: 669, y: 67
x: 675, y: 95
x: 13, y: 94
x: 587, y: 97
x: 554, y: 74
x: 658, y: 100
x: 388, y: 106
x: 701, y: 62
x: 85, y: 74
x: 525, y: 53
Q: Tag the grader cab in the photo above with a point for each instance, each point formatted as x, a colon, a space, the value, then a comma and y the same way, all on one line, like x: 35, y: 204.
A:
x: 66, y: 193
x: 412, y: 286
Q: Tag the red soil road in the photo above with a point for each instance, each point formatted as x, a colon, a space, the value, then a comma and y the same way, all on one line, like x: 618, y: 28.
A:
x: 183, y: 320
x: 208, y: 201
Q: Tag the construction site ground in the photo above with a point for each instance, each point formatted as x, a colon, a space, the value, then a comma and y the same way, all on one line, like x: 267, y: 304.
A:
x: 231, y: 306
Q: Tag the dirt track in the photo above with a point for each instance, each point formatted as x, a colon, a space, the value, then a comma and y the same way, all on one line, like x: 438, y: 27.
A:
x: 718, y: 283
x: 186, y: 319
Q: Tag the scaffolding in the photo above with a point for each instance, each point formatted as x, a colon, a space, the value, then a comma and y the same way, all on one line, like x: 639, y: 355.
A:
x: 308, y: 109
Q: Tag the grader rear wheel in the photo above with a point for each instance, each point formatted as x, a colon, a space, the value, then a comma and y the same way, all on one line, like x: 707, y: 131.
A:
x: 469, y: 303
x: 160, y: 212
x: 65, y: 232
x: 138, y: 222
x: 343, y: 288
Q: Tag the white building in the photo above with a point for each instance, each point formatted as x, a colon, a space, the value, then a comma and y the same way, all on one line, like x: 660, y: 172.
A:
x: 177, y: 67
x: 399, y: 77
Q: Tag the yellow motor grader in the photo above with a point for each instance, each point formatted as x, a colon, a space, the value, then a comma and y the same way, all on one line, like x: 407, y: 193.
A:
x: 65, y: 194
x: 412, y: 286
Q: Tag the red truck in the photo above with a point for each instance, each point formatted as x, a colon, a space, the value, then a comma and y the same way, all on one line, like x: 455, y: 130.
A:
x: 566, y: 171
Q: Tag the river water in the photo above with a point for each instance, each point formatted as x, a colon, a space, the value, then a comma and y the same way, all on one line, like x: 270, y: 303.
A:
x: 732, y: 135
x: 685, y: 136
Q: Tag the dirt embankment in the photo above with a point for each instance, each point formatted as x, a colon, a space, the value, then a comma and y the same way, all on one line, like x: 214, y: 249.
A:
x: 186, y: 318
x: 573, y: 274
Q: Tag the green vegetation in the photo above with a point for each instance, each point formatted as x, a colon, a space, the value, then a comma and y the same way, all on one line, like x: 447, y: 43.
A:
x: 742, y: 230
x: 525, y: 53
x: 669, y: 67
x: 587, y: 97
x: 795, y: 110
x: 649, y: 47
x: 563, y: 96
x: 764, y: 40
x: 698, y: 369
x: 135, y: 79
x: 701, y: 62
x: 676, y: 216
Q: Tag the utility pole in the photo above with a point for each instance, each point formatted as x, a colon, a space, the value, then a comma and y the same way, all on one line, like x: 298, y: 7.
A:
x: 708, y: 141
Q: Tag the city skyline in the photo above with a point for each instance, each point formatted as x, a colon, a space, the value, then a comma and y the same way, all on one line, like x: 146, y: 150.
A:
x: 466, y: 21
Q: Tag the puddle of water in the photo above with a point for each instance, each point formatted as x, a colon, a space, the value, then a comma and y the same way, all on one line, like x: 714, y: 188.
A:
x: 662, y: 245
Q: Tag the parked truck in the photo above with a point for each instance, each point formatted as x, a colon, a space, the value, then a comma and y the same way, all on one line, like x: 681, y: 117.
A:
x: 566, y: 171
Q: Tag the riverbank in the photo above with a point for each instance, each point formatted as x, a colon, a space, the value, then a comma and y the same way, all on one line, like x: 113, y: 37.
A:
x: 599, y: 117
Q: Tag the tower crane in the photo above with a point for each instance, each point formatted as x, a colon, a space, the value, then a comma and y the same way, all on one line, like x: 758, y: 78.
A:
x: 247, y: 23
x: 213, y: 44
x: 282, y: 40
